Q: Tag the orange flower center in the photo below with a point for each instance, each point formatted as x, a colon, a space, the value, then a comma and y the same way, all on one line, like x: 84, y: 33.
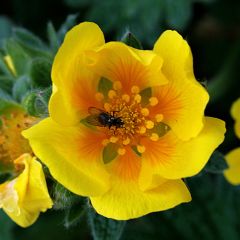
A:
x: 129, y: 118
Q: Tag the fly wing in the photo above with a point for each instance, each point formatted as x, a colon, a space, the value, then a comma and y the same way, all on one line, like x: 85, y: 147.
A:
x: 93, y: 120
x: 94, y: 111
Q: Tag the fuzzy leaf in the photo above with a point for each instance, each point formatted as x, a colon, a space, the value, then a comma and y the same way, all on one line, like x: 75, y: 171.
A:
x: 40, y: 72
x: 105, y: 228
x: 129, y: 39
x: 36, y: 103
x: 52, y: 37
x: 20, y: 58
x: 75, y: 214
x: 20, y: 88
x: 63, y: 198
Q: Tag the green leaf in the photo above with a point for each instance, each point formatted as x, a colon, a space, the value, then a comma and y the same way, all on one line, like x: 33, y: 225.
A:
x: 40, y: 72
x: 52, y: 37
x: 7, y: 102
x: 216, y: 163
x: 20, y: 58
x: 36, y: 102
x: 63, y: 198
x: 20, y: 88
x: 25, y: 37
x: 104, y: 86
x: 129, y: 39
x: 31, y: 44
x: 109, y: 152
x: 105, y: 228
x: 75, y: 214
x: 6, y: 83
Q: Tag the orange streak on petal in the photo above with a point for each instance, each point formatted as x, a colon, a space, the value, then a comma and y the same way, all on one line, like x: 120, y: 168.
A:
x: 84, y: 95
x: 90, y: 145
x: 126, y: 167
x: 169, y: 103
x: 159, y: 152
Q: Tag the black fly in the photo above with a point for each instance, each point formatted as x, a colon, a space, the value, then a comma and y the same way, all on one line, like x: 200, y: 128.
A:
x: 101, y: 118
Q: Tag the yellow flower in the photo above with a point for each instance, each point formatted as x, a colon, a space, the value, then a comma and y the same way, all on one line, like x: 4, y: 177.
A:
x: 125, y: 125
x: 235, y: 112
x: 25, y: 195
x: 232, y: 174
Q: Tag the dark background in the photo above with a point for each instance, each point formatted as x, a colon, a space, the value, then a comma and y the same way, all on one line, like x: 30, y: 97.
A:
x: 212, y: 28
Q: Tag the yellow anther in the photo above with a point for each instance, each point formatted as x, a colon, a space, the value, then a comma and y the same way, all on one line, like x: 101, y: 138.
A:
x: 135, y: 89
x: 121, y: 151
x: 141, y: 148
x: 154, y: 137
x: 107, y: 107
x: 149, y: 124
x: 142, y: 130
x: 137, y: 98
x: 159, y: 117
x: 117, y: 85
x: 112, y: 94
x: 145, y: 111
x: 105, y: 142
x: 99, y: 96
x: 153, y: 101
x: 113, y: 139
x: 126, y: 97
x: 126, y: 141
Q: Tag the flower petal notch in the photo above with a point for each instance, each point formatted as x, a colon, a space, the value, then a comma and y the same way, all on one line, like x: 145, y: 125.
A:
x: 24, y: 197
x: 139, y: 124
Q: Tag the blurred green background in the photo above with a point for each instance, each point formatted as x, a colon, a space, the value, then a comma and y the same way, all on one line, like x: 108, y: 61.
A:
x: 212, y: 28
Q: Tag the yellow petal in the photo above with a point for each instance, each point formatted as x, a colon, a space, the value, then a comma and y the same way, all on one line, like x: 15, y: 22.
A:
x: 182, y: 102
x: 131, y: 67
x: 172, y: 158
x: 27, y: 195
x: 72, y: 154
x: 235, y: 112
x: 176, y: 54
x: 232, y: 174
x: 126, y: 201
x: 182, y: 106
x: 70, y: 76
